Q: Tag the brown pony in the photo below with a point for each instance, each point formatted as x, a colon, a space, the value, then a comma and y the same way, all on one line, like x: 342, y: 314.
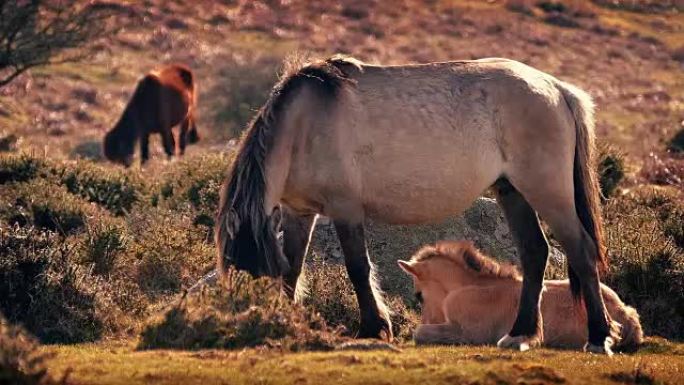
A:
x: 416, y: 144
x: 163, y: 99
x: 468, y: 298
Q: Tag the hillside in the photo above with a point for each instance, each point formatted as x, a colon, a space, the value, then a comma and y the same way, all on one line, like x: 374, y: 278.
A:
x: 96, y: 260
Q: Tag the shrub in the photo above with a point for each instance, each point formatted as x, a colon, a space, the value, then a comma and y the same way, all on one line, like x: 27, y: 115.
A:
x: 20, y: 361
x: 240, y: 312
x: 19, y: 168
x: 44, y: 290
x: 611, y: 169
x: 666, y: 170
x: 165, y: 252
x: 44, y: 205
x: 116, y: 190
x: 647, y: 262
x: 101, y: 245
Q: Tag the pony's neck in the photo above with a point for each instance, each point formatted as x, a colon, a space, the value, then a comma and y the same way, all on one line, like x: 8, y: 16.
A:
x: 127, y: 126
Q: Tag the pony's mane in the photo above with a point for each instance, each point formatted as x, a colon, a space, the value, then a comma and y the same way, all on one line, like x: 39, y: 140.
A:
x: 465, y: 254
x: 242, y: 219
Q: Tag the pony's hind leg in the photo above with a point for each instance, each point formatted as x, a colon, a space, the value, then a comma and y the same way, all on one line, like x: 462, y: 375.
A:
x: 297, y: 231
x: 168, y: 142
x: 375, y: 321
x: 533, y: 250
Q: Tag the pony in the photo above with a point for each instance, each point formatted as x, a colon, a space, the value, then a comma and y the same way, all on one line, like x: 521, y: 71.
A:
x: 418, y: 143
x: 162, y: 99
x: 468, y: 298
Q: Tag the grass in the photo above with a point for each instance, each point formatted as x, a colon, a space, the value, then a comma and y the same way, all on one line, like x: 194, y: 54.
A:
x: 121, y: 364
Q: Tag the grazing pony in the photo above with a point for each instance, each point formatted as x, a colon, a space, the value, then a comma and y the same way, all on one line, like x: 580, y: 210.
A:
x: 413, y: 144
x: 163, y: 99
x: 468, y: 298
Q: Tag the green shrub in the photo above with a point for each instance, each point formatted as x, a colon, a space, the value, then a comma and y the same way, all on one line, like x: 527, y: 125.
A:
x: 19, y: 168
x: 101, y: 245
x: 115, y: 189
x: 240, y: 312
x: 611, y: 169
x: 646, y: 264
x: 20, y: 361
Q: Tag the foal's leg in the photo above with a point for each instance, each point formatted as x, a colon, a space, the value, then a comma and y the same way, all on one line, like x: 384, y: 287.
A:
x: 297, y: 231
x: 533, y: 250
x: 375, y: 321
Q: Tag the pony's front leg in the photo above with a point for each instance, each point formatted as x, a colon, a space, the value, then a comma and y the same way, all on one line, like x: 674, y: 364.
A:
x: 375, y: 321
x: 144, y: 148
x: 297, y: 231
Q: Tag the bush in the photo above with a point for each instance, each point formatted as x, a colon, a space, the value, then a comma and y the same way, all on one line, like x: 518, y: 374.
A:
x: 44, y: 205
x: 43, y: 289
x: 20, y: 361
x: 19, y: 168
x: 194, y: 186
x: 116, y: 190
x: 101, y: 245
x: 647, y: 259
x: 240, y: 312
x: 165, y: 253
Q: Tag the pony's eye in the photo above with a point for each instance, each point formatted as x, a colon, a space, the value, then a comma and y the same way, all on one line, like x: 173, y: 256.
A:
x: 419, y: 297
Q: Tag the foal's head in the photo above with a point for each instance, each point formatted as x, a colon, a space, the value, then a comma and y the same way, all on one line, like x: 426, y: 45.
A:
x: 448, y: 265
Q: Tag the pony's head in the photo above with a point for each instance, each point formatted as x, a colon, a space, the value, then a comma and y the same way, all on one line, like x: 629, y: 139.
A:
x: 251, y: 242
x: 438, y: 269
x: 118, y: 148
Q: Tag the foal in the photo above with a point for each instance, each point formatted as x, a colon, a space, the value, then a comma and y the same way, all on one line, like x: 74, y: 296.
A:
x: 469, y: 298
x: 163, y: 99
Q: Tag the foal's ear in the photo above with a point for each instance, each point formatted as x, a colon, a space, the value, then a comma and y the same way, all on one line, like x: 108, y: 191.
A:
x: 408, y: 267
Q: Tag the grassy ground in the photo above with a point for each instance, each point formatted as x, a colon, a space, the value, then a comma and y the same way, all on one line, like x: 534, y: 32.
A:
x: 660, y: 363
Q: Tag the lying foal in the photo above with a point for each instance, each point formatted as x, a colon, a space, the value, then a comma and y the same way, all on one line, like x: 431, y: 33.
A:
x: 469, y: 298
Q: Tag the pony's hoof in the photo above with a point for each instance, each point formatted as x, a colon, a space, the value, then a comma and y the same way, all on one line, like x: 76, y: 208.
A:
x: 381, y: 330
x: 598, y: 349
x: 520, y: 343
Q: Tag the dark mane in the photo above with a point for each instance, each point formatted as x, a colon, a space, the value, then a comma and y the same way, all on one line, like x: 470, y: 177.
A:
x: 469, y: 257
x: 244, y: 236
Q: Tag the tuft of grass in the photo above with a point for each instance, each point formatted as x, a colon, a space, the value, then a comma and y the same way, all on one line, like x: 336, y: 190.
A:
x: 21, y: 362
x: 611, y: 170
x: 19, y: 168
x: 240, y: 312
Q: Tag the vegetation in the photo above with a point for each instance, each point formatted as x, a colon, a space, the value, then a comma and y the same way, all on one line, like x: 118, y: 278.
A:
x: 21, y: 362
x: 35, y: 33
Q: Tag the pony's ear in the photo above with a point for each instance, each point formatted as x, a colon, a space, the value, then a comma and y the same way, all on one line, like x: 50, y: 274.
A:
x: 409, y: 267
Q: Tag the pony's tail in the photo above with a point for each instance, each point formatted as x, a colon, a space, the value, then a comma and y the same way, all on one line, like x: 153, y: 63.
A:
x: 584, y: 176
x: 631, y: 333
x: 438, y: 334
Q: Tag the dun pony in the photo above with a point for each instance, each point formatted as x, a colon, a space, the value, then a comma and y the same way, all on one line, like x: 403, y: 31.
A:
x: 162, y: 99
x: 413, y: 144
x: 468, y: 298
